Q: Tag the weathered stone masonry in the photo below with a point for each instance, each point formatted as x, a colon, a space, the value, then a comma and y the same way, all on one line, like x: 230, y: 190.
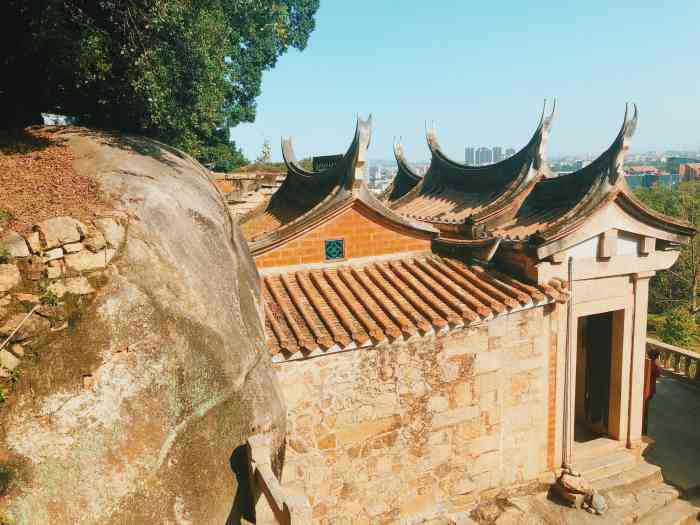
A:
x: 420, y: 427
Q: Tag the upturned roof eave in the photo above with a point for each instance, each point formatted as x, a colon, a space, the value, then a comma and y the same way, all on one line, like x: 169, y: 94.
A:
x: 526, y: 164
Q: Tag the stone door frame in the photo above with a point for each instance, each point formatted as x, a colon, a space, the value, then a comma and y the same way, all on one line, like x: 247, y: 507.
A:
x: 627, y: 363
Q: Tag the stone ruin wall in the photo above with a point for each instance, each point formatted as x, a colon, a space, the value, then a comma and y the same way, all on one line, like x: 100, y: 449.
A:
x: 50, y: 272
x: 411, y: 430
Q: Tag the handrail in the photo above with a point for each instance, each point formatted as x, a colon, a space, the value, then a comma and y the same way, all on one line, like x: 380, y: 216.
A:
x: 273, y: 505
x: 677, y: 361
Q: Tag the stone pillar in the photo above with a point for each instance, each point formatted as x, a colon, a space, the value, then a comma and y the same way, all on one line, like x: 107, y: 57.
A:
x: 569, y: 375
x: 639, y: 339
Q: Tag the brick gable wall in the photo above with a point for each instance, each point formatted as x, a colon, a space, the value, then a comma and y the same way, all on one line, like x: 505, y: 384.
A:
x: 364, y: 236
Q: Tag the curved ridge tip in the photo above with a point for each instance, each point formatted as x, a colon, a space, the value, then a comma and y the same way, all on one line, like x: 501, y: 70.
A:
x: 431, y: 134
x: 632, y: 127
x: 546, y: 120
x: 364, y: 122
x: 288, y: 150
x: 629, y: 124
x: 398, y: 150
x: 544, y: 108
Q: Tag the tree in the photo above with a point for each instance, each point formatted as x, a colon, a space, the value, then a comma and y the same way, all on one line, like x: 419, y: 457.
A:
x: 678, y: 286
x: 678, y: 327
x: 176, y: 70
x: 265, y: 154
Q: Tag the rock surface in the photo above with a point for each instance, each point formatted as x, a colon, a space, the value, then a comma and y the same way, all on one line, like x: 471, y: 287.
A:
x: 9, y: 277
x: 14, y: 244
x: 60, y: 230
x: 136, y: 411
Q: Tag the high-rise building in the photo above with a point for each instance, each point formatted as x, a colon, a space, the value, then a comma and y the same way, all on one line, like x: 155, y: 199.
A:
x: 375, y: 173
x: 510, y: 152
x: 483, y: 156
x: 469, y: 156
x: 497, y: 153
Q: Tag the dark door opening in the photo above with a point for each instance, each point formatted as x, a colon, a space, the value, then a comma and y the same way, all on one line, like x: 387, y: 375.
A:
x: 593, y: 371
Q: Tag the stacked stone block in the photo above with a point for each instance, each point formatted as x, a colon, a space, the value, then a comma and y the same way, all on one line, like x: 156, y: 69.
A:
x: 411, y: 430
x: 60, y: 258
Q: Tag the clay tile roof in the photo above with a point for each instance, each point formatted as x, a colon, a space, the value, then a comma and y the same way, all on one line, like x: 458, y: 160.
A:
x: 224, y: 186
x: 304, y: 193
x: 452, y: 192
x: 347, y: 306
x: 404, y: 181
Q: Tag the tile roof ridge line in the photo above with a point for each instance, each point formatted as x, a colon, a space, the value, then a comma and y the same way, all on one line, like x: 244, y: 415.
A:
x: 355, y: 262
x: 541, y: 131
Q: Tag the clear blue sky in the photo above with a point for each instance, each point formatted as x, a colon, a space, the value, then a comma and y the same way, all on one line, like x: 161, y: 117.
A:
x: 480, y: 71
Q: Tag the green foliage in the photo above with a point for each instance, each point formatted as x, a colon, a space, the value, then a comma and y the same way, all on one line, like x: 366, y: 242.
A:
x: 14, y: 376
x: 662, y: 199
x: 220, y: 154
x: 5, y: 216
x: 4, y: 255
x: 307, y: 163
x: 181, y: 71
x: 677, y: 287
x: 6, y: 475
x: 678, y: 328
x: 49, y: 298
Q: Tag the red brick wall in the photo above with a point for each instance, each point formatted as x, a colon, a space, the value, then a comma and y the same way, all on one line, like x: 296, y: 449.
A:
x: 364, y: 236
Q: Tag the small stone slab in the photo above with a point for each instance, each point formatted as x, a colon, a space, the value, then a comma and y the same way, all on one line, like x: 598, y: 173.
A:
x: 8, y: 361
x: 86, y: 261
x: 52, y: 255
x: 58, y: 231
x: 15, y: 244
x: 17, y: 349
x: 54, y: 270
x: 9, y: 277
x: 34, y: 242
x: 73, y: 247
x: 95, y: 240
x: 74, y: 285
x: 27, y: 298
x: 34, y: 268
x: 113, y: 231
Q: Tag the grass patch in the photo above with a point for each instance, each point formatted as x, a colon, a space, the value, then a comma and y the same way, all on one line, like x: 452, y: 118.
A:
x: 49, y: 298
x: 5, y: 479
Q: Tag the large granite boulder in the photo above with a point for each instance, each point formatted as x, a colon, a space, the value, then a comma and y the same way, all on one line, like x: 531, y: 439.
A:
x: 136, y: 410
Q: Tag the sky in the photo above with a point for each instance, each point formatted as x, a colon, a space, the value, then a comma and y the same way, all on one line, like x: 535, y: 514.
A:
x: 480, y: 71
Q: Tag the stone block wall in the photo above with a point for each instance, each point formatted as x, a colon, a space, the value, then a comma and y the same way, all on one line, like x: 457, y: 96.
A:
x: 45, y: 276
x: 415, y: 429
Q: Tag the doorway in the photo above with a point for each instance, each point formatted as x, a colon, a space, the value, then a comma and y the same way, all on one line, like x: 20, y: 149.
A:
x: 594, y: 366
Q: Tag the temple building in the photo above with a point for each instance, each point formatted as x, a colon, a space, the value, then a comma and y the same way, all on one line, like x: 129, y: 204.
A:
x: 467, y: 330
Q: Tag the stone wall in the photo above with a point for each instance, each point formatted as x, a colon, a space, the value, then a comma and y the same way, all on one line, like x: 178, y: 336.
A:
x: 45, y: 276
x: 415, y: 429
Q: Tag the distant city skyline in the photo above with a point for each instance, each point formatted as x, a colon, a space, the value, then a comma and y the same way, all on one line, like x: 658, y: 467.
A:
x: 481, y: 72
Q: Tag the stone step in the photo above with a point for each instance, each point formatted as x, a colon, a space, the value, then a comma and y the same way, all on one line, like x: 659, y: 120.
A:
x: 640, y: 475
x: 596, y: 447
x: 602, y: 466
x: 633, y: 506
x: 678, y: 512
